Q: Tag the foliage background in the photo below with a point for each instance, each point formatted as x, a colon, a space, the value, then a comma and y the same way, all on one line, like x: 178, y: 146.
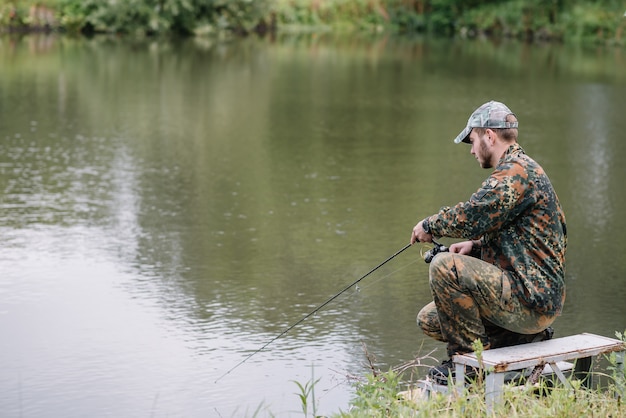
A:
x: 565, y: 20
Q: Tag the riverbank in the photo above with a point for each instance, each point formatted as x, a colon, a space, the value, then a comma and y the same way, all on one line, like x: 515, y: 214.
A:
x: 378, y: 397
x: 384, y: 392
x: 601, y: 22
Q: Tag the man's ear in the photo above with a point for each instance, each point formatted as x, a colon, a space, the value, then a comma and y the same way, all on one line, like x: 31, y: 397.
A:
x: 492, y: 136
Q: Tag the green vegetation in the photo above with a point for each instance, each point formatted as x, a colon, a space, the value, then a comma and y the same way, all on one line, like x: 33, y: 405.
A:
x: 382, y: 395
x: 307, y: 393
x: 577, y: 20
x: 378, y: 397
x: 145, y: 17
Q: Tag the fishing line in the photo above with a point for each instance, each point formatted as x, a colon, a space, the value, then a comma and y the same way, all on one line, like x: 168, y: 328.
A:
x: 423, y: 255
x: 376, y: 281
x: 314, y: 311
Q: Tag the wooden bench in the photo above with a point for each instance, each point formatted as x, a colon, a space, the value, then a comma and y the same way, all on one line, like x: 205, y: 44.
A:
x: 556, y: 353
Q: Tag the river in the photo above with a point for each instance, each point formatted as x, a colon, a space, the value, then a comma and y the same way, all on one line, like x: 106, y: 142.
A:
x: 167, y: 209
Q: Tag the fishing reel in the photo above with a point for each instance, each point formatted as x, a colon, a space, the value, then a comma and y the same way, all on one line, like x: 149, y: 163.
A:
x: 438, y: 248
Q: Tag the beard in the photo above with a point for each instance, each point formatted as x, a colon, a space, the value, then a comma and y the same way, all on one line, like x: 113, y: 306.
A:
x: 484, y: 155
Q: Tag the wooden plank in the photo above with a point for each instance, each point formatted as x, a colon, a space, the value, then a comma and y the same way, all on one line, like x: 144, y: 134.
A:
x: 555, y: 350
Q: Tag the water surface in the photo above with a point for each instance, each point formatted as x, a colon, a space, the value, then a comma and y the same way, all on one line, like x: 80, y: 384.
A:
x: 166, y: 209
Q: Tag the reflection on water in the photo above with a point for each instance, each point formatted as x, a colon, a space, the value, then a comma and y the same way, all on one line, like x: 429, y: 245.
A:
x: 169, y: 208
x: 78, y: 339
x: 594, y: 125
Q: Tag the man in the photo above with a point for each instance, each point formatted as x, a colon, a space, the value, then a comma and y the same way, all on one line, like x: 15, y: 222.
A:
x: 503, y: 285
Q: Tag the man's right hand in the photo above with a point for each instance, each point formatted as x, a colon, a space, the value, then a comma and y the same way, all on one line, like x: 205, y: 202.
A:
x: 420, y: 235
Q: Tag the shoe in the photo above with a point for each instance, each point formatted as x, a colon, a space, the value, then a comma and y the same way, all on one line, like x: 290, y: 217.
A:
x: 442, y: 373
x: 545, y: 335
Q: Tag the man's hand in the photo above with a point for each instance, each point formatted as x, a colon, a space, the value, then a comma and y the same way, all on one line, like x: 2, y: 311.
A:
x: 464, y: 248
x: 420, y: 235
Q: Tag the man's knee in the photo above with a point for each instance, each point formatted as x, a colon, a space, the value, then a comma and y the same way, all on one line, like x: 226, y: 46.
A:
x: 422, y: 318
x: 428, y: 320
x: 441, y: 268
x: 443, y: 261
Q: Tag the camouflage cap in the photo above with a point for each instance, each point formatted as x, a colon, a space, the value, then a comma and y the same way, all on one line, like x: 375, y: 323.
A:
x: 490, y: 115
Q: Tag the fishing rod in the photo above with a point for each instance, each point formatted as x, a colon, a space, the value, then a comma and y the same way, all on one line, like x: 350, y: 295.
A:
x: 314, y: 311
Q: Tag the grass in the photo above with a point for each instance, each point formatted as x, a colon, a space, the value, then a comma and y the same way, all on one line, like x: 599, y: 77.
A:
x: 378, y: 394
x: 379, y: 397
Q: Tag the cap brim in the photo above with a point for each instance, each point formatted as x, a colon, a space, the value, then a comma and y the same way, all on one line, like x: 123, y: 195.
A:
x: 463, y: 135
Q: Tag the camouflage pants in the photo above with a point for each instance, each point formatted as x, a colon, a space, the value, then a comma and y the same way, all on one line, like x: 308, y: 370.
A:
x: 473, y: 300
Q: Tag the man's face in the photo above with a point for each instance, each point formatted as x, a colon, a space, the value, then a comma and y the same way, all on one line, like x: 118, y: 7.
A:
x: 480, y: 149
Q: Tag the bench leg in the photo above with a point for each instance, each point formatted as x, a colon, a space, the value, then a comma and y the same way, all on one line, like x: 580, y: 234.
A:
x: 619, y: 373
x: 494, y: 385
x: 560, y: 375
x: 459, y: 378
x: 582, y: 371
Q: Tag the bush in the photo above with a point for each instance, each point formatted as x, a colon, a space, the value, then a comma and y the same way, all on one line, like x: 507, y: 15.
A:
x: 579, y: 20
x: 163, y: 16
x: 593, y: 21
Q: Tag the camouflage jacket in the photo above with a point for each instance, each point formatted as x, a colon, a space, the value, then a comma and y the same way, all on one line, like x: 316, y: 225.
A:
x: 517, y: 215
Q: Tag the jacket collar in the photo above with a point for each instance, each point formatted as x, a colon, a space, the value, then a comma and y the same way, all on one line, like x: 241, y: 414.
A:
x: 513, y: 149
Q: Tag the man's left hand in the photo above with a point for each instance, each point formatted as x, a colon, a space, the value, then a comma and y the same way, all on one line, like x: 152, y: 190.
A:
x: 464, y: 247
